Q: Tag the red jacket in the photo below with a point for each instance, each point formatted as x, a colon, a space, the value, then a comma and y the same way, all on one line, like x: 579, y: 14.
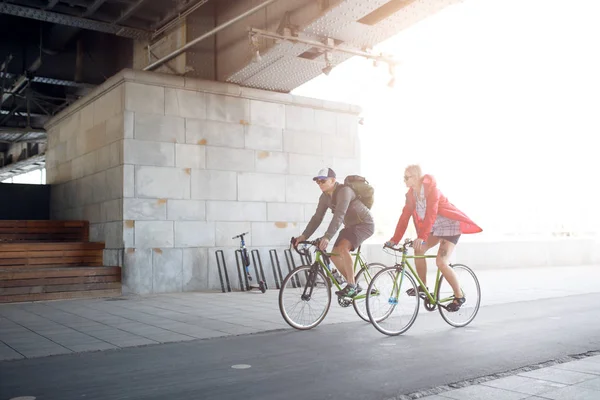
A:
x: 437, y: 204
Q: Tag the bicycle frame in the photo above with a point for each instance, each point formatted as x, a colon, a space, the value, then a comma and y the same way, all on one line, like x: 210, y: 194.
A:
x: 358, y: 261
x: 404, y: 262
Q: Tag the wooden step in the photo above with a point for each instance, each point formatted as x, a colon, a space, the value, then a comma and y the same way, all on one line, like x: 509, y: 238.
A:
x: 34, y: 284
x: 60, y: 281
x: 58, y: 272
x: 46, y: 255
x: 60, y: 296
x: 77, y: 287
x: 47, y: 230
x: 50, y: 246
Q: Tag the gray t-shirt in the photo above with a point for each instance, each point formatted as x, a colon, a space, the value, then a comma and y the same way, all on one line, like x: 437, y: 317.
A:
x: 348, y: 209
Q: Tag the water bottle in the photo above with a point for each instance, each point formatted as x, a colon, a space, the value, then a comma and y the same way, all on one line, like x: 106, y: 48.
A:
x: 336, y: 274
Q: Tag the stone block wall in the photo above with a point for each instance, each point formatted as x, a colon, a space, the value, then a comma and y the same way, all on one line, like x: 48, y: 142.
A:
x: 195, y: 163
x: 84, y: 165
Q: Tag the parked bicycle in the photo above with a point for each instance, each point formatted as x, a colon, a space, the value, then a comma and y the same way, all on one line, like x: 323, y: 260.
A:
x: 305, y: 294
x: 392, y: 310
x: 245, y: 260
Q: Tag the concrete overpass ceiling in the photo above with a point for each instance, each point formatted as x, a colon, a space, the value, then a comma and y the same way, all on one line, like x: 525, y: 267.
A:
x: 53, y: 52
x: 352, y: 24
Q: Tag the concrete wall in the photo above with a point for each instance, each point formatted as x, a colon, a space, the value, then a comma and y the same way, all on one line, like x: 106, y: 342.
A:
x: 187, y: 165
x: 84, y: 164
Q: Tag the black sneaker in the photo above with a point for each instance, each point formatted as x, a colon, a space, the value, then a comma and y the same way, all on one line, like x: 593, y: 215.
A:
x: 349, y: 291
x: 456, y: 304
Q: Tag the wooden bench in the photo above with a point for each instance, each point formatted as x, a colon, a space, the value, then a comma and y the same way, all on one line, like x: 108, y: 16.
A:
x: 44, y: 231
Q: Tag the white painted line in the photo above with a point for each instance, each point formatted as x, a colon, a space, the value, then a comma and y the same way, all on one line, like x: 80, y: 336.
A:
x: 387, y: 344
x: 23, y: 398
x: 241, y: 366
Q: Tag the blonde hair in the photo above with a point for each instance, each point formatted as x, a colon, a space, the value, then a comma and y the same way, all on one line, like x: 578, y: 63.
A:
x: 415, y: 169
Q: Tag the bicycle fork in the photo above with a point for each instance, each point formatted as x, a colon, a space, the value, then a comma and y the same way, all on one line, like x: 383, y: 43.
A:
x: 310, y: 283
x: 393, y: 300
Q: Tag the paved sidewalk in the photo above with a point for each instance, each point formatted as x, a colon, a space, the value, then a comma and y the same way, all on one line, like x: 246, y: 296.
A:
x: 29, y: 330
x: 574, y: 380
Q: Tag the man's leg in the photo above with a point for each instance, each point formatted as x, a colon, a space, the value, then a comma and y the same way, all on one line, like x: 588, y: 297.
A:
x: 421, y: 263
x: 342, y: 260
x: 443, y: 263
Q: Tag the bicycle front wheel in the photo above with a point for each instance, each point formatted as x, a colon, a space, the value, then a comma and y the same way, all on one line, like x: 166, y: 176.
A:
x: 305, y: 297
x: 389, y: 307
x: 471, y: 290
x: 364, y: 278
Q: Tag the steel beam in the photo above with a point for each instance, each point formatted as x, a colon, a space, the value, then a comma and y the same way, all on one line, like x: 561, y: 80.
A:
x: 92, y: 8
x: 130, y: 10
x: 22, y: 81
x: 51, y: 4
x: 213, y: 31
x: 19, y: 167
x: 78, y: 22
x: 176, y: 16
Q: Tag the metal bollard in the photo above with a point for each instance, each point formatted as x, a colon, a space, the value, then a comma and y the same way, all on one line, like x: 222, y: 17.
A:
x: 222, y: 265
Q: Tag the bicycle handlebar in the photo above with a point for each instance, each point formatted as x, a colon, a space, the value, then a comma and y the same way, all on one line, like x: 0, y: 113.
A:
x: 305, y: 253
x: 407, y: 243
x: 241, y: 235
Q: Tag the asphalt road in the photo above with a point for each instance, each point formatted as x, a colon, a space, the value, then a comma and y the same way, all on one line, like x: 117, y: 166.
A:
x: 349, y: 360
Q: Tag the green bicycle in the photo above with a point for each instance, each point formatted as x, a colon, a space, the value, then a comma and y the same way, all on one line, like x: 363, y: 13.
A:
x: 305, y: 294
x: 391, y: 308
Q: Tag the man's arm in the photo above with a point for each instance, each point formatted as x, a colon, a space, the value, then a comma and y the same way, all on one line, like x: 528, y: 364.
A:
x: 343, y: 198
x: 317, y: 218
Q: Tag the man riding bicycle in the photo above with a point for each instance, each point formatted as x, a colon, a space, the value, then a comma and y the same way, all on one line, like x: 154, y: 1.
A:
x: 358, y: 225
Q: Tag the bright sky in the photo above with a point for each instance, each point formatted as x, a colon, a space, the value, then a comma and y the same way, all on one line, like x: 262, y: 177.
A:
x: 499, y: 100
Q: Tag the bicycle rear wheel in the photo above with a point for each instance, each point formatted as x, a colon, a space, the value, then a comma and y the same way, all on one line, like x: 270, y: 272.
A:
x: 471, y: 290
x: 304, y: 306
x: 364, y: 278
x: 390, y: 309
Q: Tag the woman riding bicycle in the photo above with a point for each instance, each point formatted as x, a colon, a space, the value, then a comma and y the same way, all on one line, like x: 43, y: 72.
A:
x: 437, y: 222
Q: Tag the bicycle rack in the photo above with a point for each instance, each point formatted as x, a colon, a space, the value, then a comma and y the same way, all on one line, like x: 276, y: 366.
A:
x: 222, y: 265
x: 275, y: 263
x: 256, y: 254
x: 291, y: 263
x: 244, y: 285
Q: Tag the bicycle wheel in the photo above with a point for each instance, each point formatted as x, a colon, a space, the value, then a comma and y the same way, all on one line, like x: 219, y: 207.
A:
x: 390, y: 309
x: 307, y: 304
x: 364, y: 278
x: 471, y: 290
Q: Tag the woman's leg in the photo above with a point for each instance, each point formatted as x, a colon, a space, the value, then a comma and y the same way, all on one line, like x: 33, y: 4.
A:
x: 421, y: 263
x: 443, y: 263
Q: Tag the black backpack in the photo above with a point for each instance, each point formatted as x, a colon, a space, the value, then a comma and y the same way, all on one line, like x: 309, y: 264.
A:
x: 363, y: 190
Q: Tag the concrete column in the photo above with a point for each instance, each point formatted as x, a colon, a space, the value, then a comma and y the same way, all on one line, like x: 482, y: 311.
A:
x: 167, y: 169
